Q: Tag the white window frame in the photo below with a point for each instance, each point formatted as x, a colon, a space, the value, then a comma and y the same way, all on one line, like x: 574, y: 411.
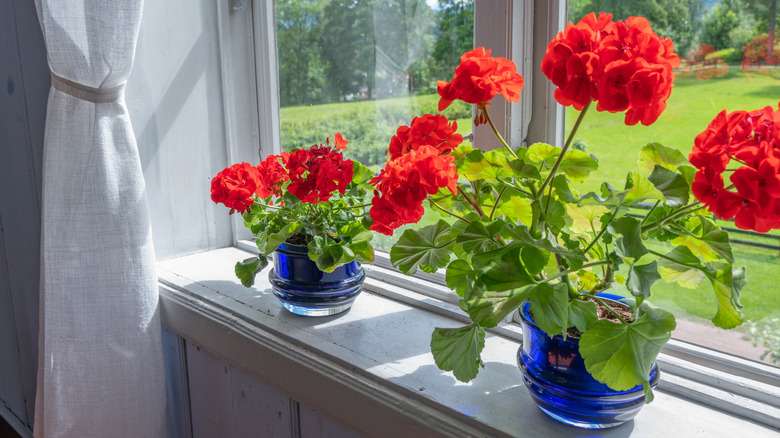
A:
x: 519, y: 29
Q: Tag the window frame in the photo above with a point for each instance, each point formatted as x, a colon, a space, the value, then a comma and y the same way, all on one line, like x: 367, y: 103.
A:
x: 733, y: 384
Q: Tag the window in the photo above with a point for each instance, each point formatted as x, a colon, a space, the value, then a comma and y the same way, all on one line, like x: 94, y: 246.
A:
x: 725, y: 65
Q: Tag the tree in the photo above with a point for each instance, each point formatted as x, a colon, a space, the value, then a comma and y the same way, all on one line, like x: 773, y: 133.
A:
x: 727, y: 25
x: 669, y: 18
x: 454, y: 35
x: 297, y: 32
x: 348, y: 46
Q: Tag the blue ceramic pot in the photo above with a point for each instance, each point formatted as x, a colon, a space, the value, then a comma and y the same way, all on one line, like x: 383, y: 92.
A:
x: 304, y: 289
x: 555, y: 375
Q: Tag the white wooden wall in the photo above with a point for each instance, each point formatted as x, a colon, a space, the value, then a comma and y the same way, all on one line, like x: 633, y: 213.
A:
x: 24, y: 88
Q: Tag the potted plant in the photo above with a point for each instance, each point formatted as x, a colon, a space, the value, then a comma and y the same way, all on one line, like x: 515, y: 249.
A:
x: 519, y: 234
x: 306, y: 208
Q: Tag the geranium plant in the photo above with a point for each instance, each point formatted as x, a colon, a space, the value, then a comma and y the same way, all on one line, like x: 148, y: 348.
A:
x: 312, y: 197
x: 518, y: 228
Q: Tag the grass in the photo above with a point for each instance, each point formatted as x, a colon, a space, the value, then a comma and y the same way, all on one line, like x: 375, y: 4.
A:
x: 691, y: 107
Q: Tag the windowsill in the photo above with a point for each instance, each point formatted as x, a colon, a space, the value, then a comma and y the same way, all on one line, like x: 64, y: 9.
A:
x: 371, y: 370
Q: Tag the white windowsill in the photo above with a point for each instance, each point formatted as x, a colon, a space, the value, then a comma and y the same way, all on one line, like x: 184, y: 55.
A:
x: 371, y: 370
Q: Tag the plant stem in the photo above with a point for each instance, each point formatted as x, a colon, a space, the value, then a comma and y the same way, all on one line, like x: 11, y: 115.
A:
x: 495, y: 131
x: 601, y: 233
x: 349, y: 207
x: 649, y: 212
x: 471, y: 202
x: 498, y: 198
x: 569, y: 271
x: 681, y: 212
x: 594, y: 297
x: 512, y: 186
x: 673, y: 260
x: 565, y: 147
x: 447, y: 211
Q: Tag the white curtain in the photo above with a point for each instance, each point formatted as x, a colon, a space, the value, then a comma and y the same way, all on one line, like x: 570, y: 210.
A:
x: 100, y: 371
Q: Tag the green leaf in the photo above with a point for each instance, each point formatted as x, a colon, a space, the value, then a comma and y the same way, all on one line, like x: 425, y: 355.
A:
x: 327, y: 253
x: 462, y: 278
x: 672, y: 185
x: 728, y: 284
x: 480, y: 237
x: 657, y: 154
x: 428, y: 248
x: 704, y: 238
x: 489, y: 308
x: 361, y: 174
x: 562, y: 191
x: 458, y: 350
x: 542, y: 153
x: 534, y: 259
x: 577, y: 165
x: 521, y: 169
x: 550, y: 307
x: 641, y: 278
x: 628, y: 243
x: 582, y: 314
x: 681, y: 266
x: 490, y: 165
x: 268, y: 243
x: 556, y: 216
x: 639, y: 188
x: 516, y: 208
x: 583, y: 217
x: 248, y: 269
x: 506, y: 273
x: 620, y: 355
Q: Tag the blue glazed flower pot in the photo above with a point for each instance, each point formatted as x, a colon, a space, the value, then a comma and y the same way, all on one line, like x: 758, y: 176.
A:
x: 555, y: 375
x: 305, y: 290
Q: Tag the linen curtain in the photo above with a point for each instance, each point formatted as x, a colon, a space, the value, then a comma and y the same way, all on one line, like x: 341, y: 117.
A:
x: 100, y: 371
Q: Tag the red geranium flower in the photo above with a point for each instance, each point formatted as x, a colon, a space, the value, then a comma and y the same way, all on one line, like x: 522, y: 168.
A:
x: 271, y: 176
x: 430, y: 130
x: 478, y: 79
x: 752, y: 140
x: 404, y: 184
x: 316, y: 172
x: 624, y: 66
x: 235, y: 185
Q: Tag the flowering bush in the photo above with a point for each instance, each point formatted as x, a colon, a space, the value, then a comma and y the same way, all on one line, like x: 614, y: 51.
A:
x: 517, y: 229
x: 310, y: 197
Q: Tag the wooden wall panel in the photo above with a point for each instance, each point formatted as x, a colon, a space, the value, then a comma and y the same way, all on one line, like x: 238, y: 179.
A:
x: 211, y: 395
x: 260, y: 411
x: 24, y: 87
x: 314, y: 425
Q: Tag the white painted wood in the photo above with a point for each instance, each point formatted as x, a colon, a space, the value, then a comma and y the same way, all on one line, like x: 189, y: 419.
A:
x: 24, y: 88
x: 175, y: 100
x: 264, y: 19
x: 211, y: 397
x: 259, y: 410
x: 547, y: 119
x: 314, y: 425
x: 376, y: 361
x: 175, y: 355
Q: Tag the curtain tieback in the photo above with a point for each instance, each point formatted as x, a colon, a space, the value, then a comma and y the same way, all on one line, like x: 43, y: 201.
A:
x: 83, y: 92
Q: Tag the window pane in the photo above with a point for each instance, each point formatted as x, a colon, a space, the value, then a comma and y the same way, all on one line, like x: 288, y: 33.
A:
x: 725, y: 65
x: 363, y: 68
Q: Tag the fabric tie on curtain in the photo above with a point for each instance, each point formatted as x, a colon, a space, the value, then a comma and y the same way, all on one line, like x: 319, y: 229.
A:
x: 100, y: 370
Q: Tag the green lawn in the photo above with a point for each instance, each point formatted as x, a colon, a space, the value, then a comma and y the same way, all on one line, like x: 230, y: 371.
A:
x: 691, y: 107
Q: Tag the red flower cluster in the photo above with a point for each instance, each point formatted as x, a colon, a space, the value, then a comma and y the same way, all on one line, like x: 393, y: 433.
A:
x: 272, y: 176
x: 624, y: 66
x: 430, y: 130
x: 404, y: 184
x: 479, y: 77
x: 235, y: 185
x: 751, y: 139
x: 316, y: 172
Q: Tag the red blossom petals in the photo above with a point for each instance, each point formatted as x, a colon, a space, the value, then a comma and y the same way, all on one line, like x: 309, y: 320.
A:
x: 479, y: 77
x: 624, y: 66
x: 430, y: 130
x: 317, y: 172
x: 235, y: 185
x: 751, y: 140
x: 405, y: 182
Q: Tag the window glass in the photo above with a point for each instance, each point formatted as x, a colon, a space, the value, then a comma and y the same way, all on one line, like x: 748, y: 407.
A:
x: 728, y: 63
x: 364, y: 67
